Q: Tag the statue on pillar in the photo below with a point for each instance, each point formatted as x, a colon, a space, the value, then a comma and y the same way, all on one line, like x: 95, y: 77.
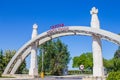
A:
x: 94, y: 20
x: 33, y: 71
x: 96, y: 46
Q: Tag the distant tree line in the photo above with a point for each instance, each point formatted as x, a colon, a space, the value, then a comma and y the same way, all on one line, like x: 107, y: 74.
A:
x: 86, y: 59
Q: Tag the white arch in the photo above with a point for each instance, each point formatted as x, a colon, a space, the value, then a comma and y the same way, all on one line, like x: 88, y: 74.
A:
x: 24, y: 51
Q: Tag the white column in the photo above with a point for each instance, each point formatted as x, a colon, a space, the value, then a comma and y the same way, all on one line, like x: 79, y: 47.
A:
x: 96, y: 46
x: 33, y: 71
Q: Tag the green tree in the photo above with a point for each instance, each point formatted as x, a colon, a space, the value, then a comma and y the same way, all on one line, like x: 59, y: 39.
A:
x: 114, y: 63
x: 56, y: 57
x: 114, y: 76
x: 22, y: 69
x: 85, y: 59
x: 111, y: 64
x: 116, y: 60
x: 8, y: 54
x: 76, y: 62
x: 117, y: 53
x: 108, y: 64
x: 1, y: 62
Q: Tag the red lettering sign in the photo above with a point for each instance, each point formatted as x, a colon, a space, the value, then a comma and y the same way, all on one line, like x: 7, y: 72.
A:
x: 56, y: 26
x: 52, y: 31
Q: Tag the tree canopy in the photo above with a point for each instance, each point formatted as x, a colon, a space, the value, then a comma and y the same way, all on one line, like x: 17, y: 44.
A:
x: 85, y: 59
x: 56, y: 57
x: 114, y: 63
x: 1, y: 62
x: 5, y: 57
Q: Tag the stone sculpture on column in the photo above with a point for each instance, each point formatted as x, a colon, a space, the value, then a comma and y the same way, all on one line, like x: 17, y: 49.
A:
x: 96, y: 46
x: 33, y: 71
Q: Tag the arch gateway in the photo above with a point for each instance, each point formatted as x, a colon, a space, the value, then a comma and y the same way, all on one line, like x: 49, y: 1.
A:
x: 94, y: 31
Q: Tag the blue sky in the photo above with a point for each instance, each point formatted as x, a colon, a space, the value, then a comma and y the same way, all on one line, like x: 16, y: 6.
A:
x: 18, y: 16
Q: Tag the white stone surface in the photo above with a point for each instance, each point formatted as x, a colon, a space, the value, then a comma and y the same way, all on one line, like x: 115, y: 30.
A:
x: 33, y: 71
x: 96, y: 46
x: 97, y: 57
x: 94, y: 19
x: 20, y: 60
x: 34, y: 33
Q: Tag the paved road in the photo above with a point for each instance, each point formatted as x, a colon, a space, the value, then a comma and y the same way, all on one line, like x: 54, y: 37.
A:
x: 47, y: 78
x: 40, y: 79
x: 70, y: 77
x: 59, y: 79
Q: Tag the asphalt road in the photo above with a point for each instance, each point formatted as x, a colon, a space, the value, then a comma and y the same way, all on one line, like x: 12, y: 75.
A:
x: 40, y: 79
x: 61, y: 78
x: 69, y: 77
x: 57, y: 79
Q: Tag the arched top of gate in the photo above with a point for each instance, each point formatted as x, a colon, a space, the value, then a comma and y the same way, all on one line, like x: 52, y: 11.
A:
x: 76, y: 30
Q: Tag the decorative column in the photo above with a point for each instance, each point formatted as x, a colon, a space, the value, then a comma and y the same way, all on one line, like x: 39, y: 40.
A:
x: 98, y: 70
x: 33, y: 71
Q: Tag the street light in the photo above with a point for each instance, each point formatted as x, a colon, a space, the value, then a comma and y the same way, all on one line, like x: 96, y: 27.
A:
x: 42, y: 73
x: 42, y: 59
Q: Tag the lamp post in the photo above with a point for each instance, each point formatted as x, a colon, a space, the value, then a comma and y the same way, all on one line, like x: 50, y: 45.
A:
x: 42, y: 73
x: 42, y: 59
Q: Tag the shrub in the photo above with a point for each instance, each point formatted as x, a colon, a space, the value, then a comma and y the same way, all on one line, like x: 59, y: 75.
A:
x: 0, y: 73
x: 114, y: 76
